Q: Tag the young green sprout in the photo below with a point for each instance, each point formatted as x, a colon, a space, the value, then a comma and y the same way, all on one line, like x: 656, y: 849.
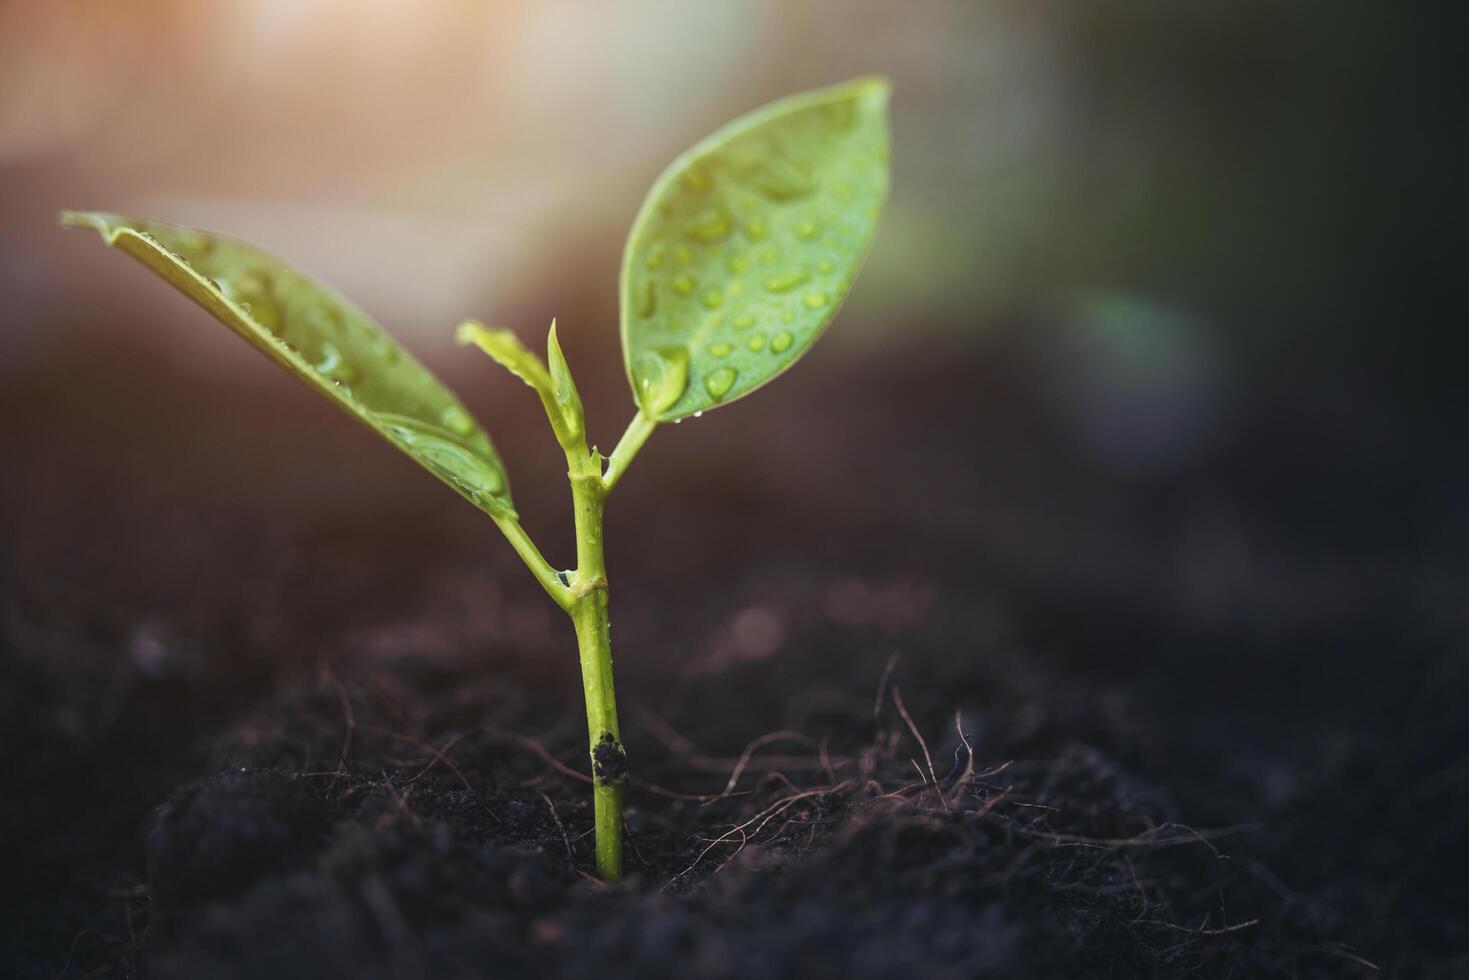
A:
x: 741, y: 255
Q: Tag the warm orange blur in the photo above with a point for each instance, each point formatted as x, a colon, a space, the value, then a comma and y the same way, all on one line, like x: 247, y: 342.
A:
x: 1244, y: 165
x: 428, y: 159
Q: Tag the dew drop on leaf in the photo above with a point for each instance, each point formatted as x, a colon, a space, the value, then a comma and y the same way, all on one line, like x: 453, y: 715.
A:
x: 661, y: 377
x: 457, y: 420
x: 648, y: 298
x: 783, y: 282
x: 333, y: 366
x: 815, y: 299
x: 711, y: 226
x: 454, y: 462
x: 781, y: 341
x: 718, y: 383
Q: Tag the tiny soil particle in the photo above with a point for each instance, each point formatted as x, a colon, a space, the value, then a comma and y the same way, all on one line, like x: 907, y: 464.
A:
x: 609, y: 761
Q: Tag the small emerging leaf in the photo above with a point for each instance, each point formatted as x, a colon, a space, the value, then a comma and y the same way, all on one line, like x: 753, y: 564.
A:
x: 325, y: 341
x: 506, y: 350
x: 747, y: 245
x: 567, y: 397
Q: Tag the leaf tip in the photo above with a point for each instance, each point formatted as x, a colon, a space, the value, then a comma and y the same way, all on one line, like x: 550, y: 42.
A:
x: 102, y: 224
x: 467, y: 332
x: 875, y: 88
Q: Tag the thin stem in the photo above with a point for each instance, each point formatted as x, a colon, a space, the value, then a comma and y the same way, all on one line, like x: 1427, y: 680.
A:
x: 593, y: 637
x: 638, y: 431
x: 549, y: 578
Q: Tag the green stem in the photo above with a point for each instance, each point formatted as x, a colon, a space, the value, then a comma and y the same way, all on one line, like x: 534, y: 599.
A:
x: 589, y: 614
x: 638, y: 431
x: 585, y: 597
x: 549, y: 578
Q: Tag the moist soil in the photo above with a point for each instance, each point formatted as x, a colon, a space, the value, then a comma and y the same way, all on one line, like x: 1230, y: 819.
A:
x: 913, y: 684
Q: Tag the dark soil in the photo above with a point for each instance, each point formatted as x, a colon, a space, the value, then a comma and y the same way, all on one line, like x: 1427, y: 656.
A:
x: 912, y: 686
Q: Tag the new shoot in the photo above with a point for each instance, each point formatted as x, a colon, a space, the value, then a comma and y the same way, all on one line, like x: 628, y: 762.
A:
x: 738, y: 260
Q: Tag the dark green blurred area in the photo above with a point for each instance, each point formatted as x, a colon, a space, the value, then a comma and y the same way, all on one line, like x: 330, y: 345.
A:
x: 1288, y: 169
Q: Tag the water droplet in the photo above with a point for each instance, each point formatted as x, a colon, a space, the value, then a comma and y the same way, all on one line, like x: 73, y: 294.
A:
x: 655, y: 255
x: 770, y: 256
x: 661, y: 376
x: 684, y: 285
x: 713, y: 299
x: 781, y: 341
x: 743, y: 322
x: 699, y: 414
x: 815, y: 299
x: 736, y: 264
x: 457, y: 420
x: 647, y: 298
x: 718, y: 383
x: 783, y: 282
x: 756, y: 342
x: 789, y: 316
x: 720, y: 349
x: 823, y: 266
x: 445, y: 455
x: 192, y: 241
x: 251, y: 292
x: 333, y: 366
x: 807, y: 230
x: 755, y: 228
x: 682, y: 255
x: 779, y: 178
x: 384, y: 349
x: 713, y: 225
x: 694, y: 179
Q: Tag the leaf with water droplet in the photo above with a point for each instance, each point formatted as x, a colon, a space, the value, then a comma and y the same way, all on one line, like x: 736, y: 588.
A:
x: 805, y: 178
x: 554, y: 386
x: 325, y: 341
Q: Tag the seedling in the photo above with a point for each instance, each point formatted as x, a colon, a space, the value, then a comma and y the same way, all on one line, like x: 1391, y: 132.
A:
x: 741, y: 255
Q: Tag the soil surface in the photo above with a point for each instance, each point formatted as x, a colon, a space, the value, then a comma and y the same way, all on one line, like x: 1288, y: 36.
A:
x: 914, y: 683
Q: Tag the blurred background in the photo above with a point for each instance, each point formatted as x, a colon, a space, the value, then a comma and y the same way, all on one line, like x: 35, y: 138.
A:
x: 1165, y: 237
x: 1143, y: 429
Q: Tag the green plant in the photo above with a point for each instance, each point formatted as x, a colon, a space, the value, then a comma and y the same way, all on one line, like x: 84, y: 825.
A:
x: 738, y: 260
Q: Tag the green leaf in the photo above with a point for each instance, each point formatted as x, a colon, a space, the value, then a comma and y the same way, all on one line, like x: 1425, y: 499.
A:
x: 748, y: 244
x: 556, y: 394
x: 325, y: 341
x: 507, y: 351
x: 568, y: 399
